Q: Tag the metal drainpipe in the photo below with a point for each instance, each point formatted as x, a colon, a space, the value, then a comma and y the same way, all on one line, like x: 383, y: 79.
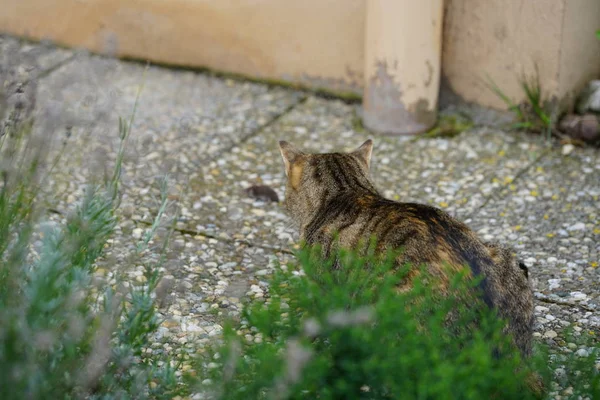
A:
x: 402, y: 65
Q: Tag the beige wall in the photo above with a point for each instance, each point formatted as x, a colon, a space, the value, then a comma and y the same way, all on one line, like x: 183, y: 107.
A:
x: 580, y: 49
x: 315, y: 42
x: 506, y: 39
x: 320, y: 43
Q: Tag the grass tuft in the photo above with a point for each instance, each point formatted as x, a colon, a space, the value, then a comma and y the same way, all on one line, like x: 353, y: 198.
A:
x: 535, y: 113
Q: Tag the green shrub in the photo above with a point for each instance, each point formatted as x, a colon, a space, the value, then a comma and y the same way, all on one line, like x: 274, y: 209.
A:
x: 346, y: 333
x: 63, y: 334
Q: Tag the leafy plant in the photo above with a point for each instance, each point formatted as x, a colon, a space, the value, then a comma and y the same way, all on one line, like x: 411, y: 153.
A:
x: 63, y: 334
x: 347, y: 333
x: 536, y: 113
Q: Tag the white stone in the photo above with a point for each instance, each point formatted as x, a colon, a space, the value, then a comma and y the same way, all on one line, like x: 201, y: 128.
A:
x: 553, y: 283
x: 300, y: 129
x: 550, y: 334
x: 137, y: 233
x: 578, y: 295
x: 567, y: 149
x: 590, y: 98
x: 579, y: 226
x: 560, y: 373
x: 529, y: 261
x: 193, y: 328
x: 582, y: 353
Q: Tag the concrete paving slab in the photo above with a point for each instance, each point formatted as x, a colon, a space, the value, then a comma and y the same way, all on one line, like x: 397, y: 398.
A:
x: 183, y: 119
x: 552, y: 214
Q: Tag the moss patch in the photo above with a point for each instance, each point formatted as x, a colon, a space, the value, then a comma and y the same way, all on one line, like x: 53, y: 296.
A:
x: 448, y: 126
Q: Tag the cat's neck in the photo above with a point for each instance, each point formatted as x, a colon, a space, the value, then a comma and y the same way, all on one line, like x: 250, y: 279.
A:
x: 337, y: 206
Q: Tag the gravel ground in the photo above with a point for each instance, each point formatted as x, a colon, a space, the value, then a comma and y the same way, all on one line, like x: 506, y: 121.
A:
x: 214, y: 137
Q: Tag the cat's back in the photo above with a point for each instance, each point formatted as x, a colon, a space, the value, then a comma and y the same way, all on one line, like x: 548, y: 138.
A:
x: 396, y: 224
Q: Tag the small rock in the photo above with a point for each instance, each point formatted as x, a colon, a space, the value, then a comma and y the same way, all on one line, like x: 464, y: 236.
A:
x: 530, y: 261
x: 262, y: 192
x: 582, y: 353
x: 193, y: 328
x: 560, y: 373
x: 170, y: 324
x: 137, y: 233
x: 579, y: 226
x: 589, y: 128
x: 563, y: 233
x: 255, y: 288
x: 567, y: 149
x: 589, y: 99
x: 578, y: 296
x: 553, y: 284
x: 550, y: 334
x: 581, y: 127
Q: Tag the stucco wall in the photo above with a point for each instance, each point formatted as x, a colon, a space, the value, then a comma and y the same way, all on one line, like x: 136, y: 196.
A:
x: 508, y: 39
x: 501, y: 39
x: 580, y: 49
x: 321, y: 43
x: 316, y: 42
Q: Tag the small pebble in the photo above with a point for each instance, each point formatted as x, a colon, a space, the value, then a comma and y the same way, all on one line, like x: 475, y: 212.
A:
x: 579, y: 226
x: 137, y: 233
x: 550, y: 334
x: 582, y: 353
x: 567, y: 149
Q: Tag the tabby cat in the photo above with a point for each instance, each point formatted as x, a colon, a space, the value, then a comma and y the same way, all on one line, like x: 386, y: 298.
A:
x: 331, y: 193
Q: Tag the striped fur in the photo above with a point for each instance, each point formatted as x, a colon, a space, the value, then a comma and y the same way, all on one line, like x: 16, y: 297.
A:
x: 328, y: 194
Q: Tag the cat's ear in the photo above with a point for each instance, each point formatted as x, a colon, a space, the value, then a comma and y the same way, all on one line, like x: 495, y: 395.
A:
x: 289, y: 154
x: 364, y: 152
x: 291, y: 158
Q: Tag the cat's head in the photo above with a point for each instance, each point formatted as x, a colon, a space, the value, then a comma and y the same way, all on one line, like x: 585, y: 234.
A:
x: 313, y: 179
